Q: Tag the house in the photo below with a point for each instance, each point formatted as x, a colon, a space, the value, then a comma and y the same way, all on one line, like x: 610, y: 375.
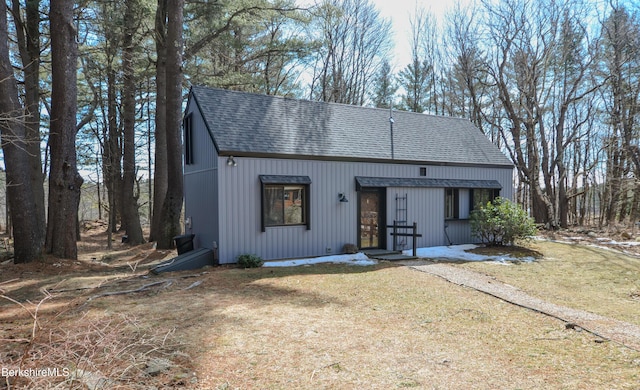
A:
x: 286, y: 178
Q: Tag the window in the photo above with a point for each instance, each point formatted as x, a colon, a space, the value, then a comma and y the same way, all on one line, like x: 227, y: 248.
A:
x: 423, y: 171
x: 188, y: 139
x: 285, y: 200
x: 451, y: 203
x: 283, y: 205
x: 457, y: 199
x: 481, y: 196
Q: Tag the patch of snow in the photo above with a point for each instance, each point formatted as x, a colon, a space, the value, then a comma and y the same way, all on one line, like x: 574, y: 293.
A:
x: 624, y: 243
x: 353, y: 259
x: 450, y: 253
x: 459, y: 253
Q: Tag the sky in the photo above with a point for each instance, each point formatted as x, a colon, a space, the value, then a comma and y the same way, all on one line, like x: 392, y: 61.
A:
x: 400, y: 13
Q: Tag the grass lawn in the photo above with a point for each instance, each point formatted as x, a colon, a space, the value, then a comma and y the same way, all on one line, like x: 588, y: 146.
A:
x: 338, y: 327
x: 583, y: 277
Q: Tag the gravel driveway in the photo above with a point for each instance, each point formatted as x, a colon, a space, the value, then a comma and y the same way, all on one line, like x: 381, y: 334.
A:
x: 605, y: 328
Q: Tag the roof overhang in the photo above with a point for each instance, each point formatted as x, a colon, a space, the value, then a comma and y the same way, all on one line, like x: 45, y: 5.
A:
x: 284, y: 179
x: 423, y: 182
x: 310, y: 157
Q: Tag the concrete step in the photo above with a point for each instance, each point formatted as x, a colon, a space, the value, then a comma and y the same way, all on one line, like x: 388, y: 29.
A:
x: 385, y: 254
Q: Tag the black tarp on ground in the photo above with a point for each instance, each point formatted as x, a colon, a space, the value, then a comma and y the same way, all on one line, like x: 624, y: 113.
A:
x: 194, y: 259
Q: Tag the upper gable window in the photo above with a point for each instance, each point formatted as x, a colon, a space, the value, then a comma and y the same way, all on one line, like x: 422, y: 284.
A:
x: 187, y: 127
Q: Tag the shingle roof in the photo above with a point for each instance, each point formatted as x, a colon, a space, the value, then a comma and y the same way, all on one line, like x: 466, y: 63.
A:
x: 246, y: 124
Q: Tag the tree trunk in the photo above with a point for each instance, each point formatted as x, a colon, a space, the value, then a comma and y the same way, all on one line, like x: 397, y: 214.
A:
x: 172, y: 206
x: 130, y: 215
x: 20, y: 193
x: 64, y: 179
x: 113, y: 154
x: 28, y: 36
x: 160, y: 183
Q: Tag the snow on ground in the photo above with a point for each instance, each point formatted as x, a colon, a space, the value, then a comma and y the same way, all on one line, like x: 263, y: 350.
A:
x: 354, y: 259
x: 608, y: 241
x: 449, y: 253
x: 458, y: 253
x: 627, y: 247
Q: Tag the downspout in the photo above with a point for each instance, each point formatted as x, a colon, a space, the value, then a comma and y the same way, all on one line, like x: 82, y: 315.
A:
x: 446, y: 225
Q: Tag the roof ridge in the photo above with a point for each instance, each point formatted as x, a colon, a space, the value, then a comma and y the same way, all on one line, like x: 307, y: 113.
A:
x: 346, y: 105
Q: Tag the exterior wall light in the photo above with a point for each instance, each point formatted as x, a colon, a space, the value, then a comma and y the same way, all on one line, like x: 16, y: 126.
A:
x: 231, y: 162
x: 342, y: 197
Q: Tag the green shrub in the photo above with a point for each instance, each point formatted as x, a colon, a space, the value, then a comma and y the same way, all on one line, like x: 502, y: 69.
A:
x: 249, y: 261
x: 501, y: 222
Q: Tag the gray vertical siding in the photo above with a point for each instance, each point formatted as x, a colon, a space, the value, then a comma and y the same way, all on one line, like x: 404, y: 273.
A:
x: 224, y: 202
x: 425, y: 207
x: 333, y: 223
x: 201, y: 186
x: 459, y: 232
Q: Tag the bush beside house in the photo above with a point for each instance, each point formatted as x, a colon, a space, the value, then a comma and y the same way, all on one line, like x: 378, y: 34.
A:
x: 501, y: 222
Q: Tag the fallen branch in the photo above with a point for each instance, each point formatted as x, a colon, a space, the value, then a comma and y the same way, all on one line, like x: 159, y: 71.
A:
x: 103, y: 284
x: 73, y: 289
x: 139, y: 289
x: 9, y: 281
x: 135, y: 265
x: 24, y: 341
x: 194, y: 284
x: 17, y: 303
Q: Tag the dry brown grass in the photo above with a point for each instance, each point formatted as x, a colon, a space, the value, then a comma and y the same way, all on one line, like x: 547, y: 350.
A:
x: 599, y: 280
x: 336, y: 326
x: 388, y: 327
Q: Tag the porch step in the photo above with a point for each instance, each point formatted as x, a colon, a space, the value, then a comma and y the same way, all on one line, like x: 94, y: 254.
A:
x: 389, y: 255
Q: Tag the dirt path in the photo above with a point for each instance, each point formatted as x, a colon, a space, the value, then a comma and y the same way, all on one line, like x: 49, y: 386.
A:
x: 606, y: 328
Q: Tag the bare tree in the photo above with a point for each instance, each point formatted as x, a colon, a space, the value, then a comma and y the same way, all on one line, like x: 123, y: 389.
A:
x: 417, y: 78
x: 539, y: 67
x: 573, y: 57
x: 621, y: 73
x: 470, y: 91
x: 355, y: 41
